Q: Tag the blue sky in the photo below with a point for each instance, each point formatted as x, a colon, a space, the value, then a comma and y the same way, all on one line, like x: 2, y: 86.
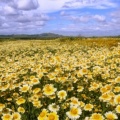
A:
x: 67, y: 17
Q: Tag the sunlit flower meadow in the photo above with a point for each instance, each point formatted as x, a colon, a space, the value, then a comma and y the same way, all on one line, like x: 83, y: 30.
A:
x: 55, y: 80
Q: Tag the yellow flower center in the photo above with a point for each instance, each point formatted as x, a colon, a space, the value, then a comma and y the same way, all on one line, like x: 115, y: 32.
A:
x: 48, y: 88
x: 51, y: 117
x: 96, y: 117
x: 42, y: 114
x: 74, y: 101
x: 35, y: 80
x: 15, y: 116
x: 118, y: 99
x: 88, y: 106
x: 7, y: 116
x: 24, y: 88
x: 74, y: 111
x: 110, y: 117
x: 62, y: 94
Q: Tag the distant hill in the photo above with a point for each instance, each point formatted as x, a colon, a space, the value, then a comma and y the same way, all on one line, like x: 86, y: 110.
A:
x: 50, y: 35
x: 46, y: 36
x: 34, y: 36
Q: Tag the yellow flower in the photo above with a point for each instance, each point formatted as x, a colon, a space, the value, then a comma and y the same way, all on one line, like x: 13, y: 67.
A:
x: 117, y: 89
x: 94, y: 86
x: 20, y: 101
x: 70, y: 88
x: 80, y: 88
x: 15, y: 95
x: 105, y: 97
x: 97, y: 69
x: 40, y: 75
x: 96, y: 116
x: 37, y: 104
x: 84, y: 96
x: 82, y: 104
x: 53, y: 107
x: 9, y: 99
x: 2, y: 106
x: 5, y: 87
x: 52, y: 96
x: 25, y: 88
x: 36, y: 90
x: 51, y: 76
x: 32, y: 77
x: 110, y: 115
x: 57, y: 58
x: 35, y: 81
x: 106, y: 88
x: 52, y: 61
x: 79, y: 74
x: 62, y: 79
x: 43, y: 115
x: 62, y: 94
x: 16, y: 116
x: 34, y: 97
x: 49, y: 89
x: 117, y: 109
x: 7, y: 117
x: 117, y: 80
x: 53, y: 116
x: 74, y: 113
x: 88, y: 107
x: 6, y: 110
x: 21, y: 109
x: 84, y: 70
x: 74, y: 101
x: 117, y: 99
x: 103, y: 90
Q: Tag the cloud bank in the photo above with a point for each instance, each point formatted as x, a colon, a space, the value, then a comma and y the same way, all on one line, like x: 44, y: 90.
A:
x: 60, y: 16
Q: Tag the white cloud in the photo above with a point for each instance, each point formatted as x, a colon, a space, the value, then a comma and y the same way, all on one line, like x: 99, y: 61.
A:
x: 81, y: 18
x: 21, y: 14
x: 99, y: 28
x: 23, y: 18
x: 48, y: 6
x: 63, y: 13
x: 8, y: 10
x: 115, y: 18
x: 97, y: 4
x: 116, y: 14
x: 33, y: 17
x: 28, y: 16
x: 5, y: 25
x: 99, y: 18
x: 26, y: 4
x: 24, y: 22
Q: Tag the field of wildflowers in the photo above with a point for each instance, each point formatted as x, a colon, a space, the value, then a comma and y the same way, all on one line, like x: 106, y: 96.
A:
x: 54, y: 80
